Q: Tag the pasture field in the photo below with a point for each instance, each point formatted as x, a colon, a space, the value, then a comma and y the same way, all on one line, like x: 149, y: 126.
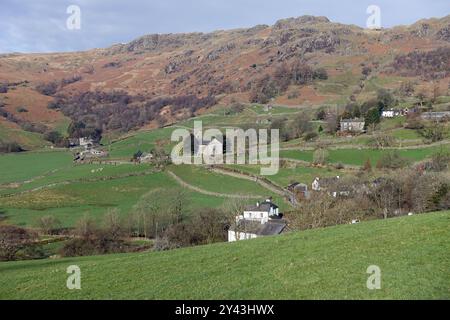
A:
x: 296, y: 173
x: 358, y: 157
x: 142, y: 140
x: 20, y: 167
x: 211, y: 181
x: 70, y: 202
x: 330, y: 263
x: 79, y: 173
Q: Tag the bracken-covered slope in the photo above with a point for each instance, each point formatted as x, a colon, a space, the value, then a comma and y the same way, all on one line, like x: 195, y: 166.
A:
x: 243, y: 64
x: 331, y: 263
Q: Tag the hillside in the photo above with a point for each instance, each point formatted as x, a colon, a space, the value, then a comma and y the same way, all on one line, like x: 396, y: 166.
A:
x: 283, y: 64
x: 331, y: 263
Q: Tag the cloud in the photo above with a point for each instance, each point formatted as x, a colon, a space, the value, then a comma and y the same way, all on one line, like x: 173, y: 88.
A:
x: 40, y: 25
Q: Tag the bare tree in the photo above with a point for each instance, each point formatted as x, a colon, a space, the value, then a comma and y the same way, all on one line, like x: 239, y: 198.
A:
x: 112, y: 224
x: 48, y: 224
x: 86, y: 227
x: 233, y: 208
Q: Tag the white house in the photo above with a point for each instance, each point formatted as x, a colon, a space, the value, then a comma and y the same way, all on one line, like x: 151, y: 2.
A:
x: 388, y: 114
x: 263, y: 219
x: 98, y: 153
x: 261, y: 212
x: 90, y: 154
x: 86, y: 142
x: 394, y: 113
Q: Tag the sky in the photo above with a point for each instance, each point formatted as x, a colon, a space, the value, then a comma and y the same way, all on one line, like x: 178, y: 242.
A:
x: 41, y: 25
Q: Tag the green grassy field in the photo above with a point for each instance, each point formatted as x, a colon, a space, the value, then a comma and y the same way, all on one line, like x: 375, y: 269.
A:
x: 143, y: 141
x: 25, y: 166
x: 359, y: 156
x: 69, y: 202
x: 331, y: 263
x: 286, y: 176
x: 210, y: 181
x: 27, y: 140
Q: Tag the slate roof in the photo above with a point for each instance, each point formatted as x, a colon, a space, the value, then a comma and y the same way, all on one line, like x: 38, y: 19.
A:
x: 297, y: 186
x: 264, y: 206
x: 273, y: 227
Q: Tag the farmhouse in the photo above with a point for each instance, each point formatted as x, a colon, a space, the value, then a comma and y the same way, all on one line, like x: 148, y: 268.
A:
x: 392, y: 113
x: 329, y: 185
x: 90, y: 154
x: 352, y: 125
x: 388, y: 114
x: 246, y: 229
x: 145, y: 158
x: 263, y: 219
x: 86, y: 142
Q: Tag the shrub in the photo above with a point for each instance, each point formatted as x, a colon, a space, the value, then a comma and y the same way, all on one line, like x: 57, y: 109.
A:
x: 13, y: 240
x: 321, y: 114
x: 433, y: 132
x: 414, y: 122
x: 440, y: 161
x: 56, y: 138
x: 320, y: 156
x: 207, y: 226
x: 392, y: 160
x: 22, y: 109
x: 73, y: 79
x: 112, y: 64
x: 311, y: 136
x: 367, y: 165
x: 3, y: 88
x: 235, y: 108
x: 321, y: 74
x: 381, y: 141
x: 9, y: 147
x: 97, y: 245
x: 47, y: 89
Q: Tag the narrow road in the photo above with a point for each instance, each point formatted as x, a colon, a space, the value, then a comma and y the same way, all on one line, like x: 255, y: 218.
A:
x: 209, y: 193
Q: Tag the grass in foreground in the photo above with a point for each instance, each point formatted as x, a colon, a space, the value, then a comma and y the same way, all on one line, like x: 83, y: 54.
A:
x: 331, y: 263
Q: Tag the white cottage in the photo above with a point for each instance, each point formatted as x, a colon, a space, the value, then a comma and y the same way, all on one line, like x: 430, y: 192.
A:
x: 263, y: 219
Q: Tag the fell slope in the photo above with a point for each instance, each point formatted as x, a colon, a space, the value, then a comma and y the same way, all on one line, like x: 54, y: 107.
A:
x: 331, y: 263
x: 230, y: 64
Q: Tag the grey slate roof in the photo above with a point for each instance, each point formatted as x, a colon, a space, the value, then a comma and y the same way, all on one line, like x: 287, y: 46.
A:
x: 263, y: 207
x: 273, y: 227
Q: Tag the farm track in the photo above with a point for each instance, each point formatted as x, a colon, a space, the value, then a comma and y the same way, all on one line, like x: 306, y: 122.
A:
x: 209, y: 193
x: 270, y: 187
